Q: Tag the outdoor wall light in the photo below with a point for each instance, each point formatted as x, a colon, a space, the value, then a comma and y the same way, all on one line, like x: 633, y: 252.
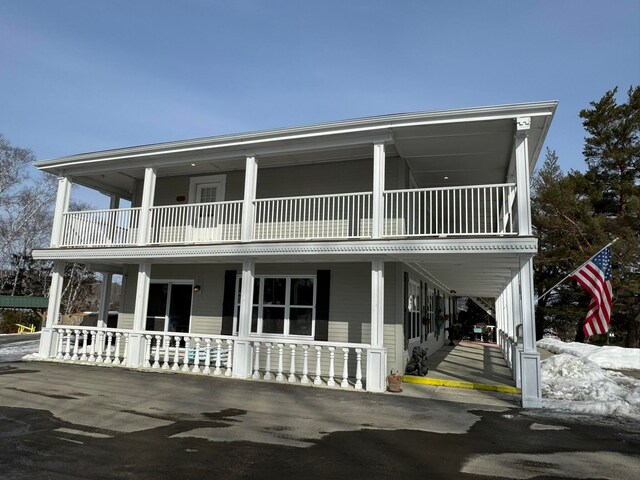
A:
x: 196, y: 289
x: 453, y: 292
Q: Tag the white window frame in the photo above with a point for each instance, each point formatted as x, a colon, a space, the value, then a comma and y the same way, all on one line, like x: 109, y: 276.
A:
x: 287, y: 307
x: 414, y: 324
x: 218, y: 180
x: 171, y: 282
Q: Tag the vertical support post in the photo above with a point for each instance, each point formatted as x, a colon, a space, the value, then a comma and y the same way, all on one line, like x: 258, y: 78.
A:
x: 242, y: 350
x: 522, y: 175
x: 377, y: 354
x: 62, y: 205
x: 48, y: 337
x: 517, y: 316
x: 248, y: 205
x: 531, y: 387
x: 148, y: 193
x: 135, y: 355
x: 377, y: 222
x: 105, y: 299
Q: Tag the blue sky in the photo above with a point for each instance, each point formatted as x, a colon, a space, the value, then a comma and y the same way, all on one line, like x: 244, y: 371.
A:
x: 79, y: 76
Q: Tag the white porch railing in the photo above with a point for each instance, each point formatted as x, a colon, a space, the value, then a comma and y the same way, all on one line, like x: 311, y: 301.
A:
x: 331, y: 364
x: 312, y: 217
x: 469, y: 210
x: 317, y: 363
x: 192, y: 223
x: 92, y: 345
x: 100, y: 227
x: 473, y: 210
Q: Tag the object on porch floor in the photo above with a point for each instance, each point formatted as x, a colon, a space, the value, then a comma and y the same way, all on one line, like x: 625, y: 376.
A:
x: 394, y: 381
x: 418, y: 363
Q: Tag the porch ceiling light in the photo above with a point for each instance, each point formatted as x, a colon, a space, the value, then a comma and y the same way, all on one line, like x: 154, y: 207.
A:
x: 446, y: 178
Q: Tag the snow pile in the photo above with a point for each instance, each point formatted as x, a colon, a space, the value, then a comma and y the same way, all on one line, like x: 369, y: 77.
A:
x: 13, y: 352
x: 613, y: 358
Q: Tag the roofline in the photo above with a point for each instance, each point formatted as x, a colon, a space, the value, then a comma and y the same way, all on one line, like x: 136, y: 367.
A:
x: 371, y: 124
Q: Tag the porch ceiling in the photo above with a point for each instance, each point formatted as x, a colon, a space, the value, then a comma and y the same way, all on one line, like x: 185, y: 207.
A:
x: 469, y: 146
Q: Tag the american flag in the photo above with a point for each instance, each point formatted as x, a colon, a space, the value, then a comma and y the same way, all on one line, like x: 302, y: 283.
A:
x: 595, y: 277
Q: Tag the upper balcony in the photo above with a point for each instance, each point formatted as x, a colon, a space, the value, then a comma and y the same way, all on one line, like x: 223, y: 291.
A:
x: 483, y: 210
x: 457, y: 173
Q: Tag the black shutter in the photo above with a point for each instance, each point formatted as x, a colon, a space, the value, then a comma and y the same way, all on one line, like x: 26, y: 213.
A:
x: 323, y: 288
x: 228, y: 301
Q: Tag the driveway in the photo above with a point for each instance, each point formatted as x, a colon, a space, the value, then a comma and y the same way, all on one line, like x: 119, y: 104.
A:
x: 73, y: 421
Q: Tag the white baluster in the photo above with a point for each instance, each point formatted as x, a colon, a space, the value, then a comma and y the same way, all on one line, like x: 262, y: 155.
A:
x: 60, y: 354
x: 92, y: 351
x: 185, y: 359
x: 292, y: 371
x: 85, y: 337
x: 147, y: 351
x: 218, y: 370
x: 345, y: 369
x: 176, y: 354
x: 267, y: 366
x: 332, y: 353
x: 156, y: 353
x: 116, y: 353
x: 196, y: 357
x: 229, y: 371
x: 166, y: 340
x: 100, y: 346
x: 76, y: 344
x: 280, y: 375
x: 67, y: 351
x: 207, y: 357
x: 126, y: 348
x: 305, y: 364
x: 256, y: 363
x: 318, y: 379
x: 358, y: 385
x: 109, y: 342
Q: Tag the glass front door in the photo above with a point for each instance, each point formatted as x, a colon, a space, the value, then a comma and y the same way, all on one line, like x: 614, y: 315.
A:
x: 169, y: 307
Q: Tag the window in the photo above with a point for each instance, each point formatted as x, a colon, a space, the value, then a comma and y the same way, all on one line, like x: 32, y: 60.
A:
x: 169, y: 307
x: 282, y: 305
x: 207, y: 189
x: 413, y: 311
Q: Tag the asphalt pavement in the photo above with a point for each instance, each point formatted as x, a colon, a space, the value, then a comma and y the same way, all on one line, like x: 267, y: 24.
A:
x: 61, y: 421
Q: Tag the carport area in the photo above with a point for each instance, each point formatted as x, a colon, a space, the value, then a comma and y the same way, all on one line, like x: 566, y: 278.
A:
x: 470, y: 371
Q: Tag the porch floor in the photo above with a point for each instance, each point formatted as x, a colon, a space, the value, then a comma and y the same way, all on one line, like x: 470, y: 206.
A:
x: 469, y: 362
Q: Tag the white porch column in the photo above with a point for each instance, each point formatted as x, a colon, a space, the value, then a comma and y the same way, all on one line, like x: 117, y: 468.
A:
x: 377, y: 354
x: 105, y: 299
x: 517, y: 316
x: 531, y: 388
x: 148, y: 192
x: 248, y: 206
x: 135, y: 355
x: 48, y: 337
x: 62, y: 205
x: 242, y: 349
x: 522, y: 175
x: 377, y: 222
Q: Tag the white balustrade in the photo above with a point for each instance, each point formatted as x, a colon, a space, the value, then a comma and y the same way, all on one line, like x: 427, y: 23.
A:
x: 82, y: 345
x: 213, y: 354
x: 312, y: 217
x: 100, y: 227
x: 197, y: 222
x: 469, y: 210
x: 326, y: 362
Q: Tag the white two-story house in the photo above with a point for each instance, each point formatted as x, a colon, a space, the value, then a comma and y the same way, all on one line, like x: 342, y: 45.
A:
x: 320, y: 254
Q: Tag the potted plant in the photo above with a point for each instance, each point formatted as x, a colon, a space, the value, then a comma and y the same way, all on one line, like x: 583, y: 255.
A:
x: 394, y: 382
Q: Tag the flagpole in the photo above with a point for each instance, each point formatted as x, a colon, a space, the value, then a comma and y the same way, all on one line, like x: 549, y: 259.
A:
x: 574, y: 271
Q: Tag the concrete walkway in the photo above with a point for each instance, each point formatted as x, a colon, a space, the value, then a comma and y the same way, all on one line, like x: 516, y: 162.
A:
x: 476, y: 371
